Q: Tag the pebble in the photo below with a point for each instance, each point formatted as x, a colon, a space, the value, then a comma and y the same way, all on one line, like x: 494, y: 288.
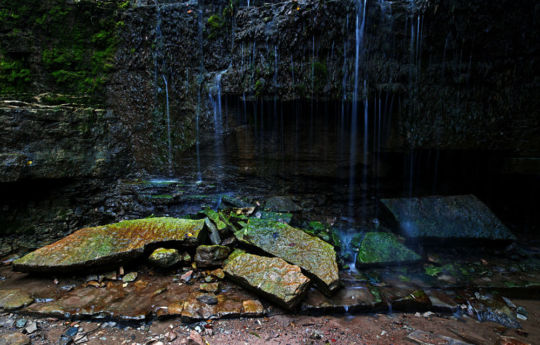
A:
x: 20, y: 323
x: 31, y: 327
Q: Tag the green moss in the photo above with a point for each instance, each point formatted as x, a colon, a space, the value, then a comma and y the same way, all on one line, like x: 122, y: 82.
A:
x: 214, y: 26
x: 320, y: 75
x: 76, y: 43
x: 259, y: 87
x: 381, y: 247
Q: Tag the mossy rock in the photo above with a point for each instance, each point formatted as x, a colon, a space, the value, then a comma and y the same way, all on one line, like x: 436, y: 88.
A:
x: 273, y: 278
x: 315, y: 256
x: 112, y: 244
x: 383, y: 248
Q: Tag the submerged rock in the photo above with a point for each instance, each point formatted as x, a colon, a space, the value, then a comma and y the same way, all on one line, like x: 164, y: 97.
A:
x: 281, y: 204
x: 444, y: 217
x: 274, y: 278
x: 14, y: 299
x: 315, y: 256
x: 162, y: 257
x: 383, y: 248
x: 211, y: 256
x: 110, y: 244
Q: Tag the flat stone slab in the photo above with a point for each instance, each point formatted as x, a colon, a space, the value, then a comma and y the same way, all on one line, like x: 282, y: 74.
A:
x: 312, y: 254
x: 273, y: 278
x: 151, y: 296
x: 14, y: 299
x: 447, y: 217
x: 382, y: 248
x: 111, y: 244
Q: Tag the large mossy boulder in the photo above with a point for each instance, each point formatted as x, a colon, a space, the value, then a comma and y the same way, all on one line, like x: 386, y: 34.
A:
x: 273, y: 278
x: 447, y: 217
x: 312, y: 254
x: 379, y: 248
x: 111, y: 244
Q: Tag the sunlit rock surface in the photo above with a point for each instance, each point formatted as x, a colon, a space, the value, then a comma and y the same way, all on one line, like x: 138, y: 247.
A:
x: 444, y: 217
x: 272, y: 277
x: 383, y: 248
x: 111, y: 244
x: 315, y: 256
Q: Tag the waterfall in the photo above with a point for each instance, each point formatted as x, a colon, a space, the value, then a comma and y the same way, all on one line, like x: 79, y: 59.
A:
x: 169, y: 157
x: 275, y: 66
x: 359, y: 47
x: 214, y: 96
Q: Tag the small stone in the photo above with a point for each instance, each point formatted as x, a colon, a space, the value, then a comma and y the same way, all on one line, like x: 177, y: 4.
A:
x: 20, y: 323
x: 14, y: 339
x: 186, y: 277
x: 208, y: 256
x: 195, y: 339
x: 164, y: 258
x: 209, y: 287
x: 218, y: 273
x: 130, y: 277
x: 209, y: 299
x: 252, y: 307
x: 170, y: 336
x: 208, y: 279
x: 31, y: 327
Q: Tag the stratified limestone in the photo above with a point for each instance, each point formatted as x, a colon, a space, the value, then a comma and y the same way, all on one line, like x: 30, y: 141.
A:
x: 111, y: 244
x: 14, y: 299
x: 273, y: 278
x: 315, y: 256
x: 383, y: 248
x: 445, y: 217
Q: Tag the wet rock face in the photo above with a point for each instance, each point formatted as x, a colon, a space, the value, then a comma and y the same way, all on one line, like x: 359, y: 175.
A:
x: 111, y: 244
x: 272, y: 277
x: 446, y: 217
x: 39, y: 141
x: 211, y: 256
x: 315, y: 256
x: 383, y: 248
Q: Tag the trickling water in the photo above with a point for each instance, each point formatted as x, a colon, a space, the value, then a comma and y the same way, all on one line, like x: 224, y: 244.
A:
x: 275, y: 66
x: 169, y: 142
x: 215, y: 100
x: 360, y: 25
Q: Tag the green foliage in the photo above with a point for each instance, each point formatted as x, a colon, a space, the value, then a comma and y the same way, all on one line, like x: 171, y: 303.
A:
x: 13, y: 75
x: 320, y: 75
x: 259, y: 87
x: 76, y: 45
x: 214, y: 25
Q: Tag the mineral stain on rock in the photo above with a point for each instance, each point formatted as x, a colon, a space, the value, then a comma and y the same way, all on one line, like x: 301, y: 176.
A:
x: 111, y: 244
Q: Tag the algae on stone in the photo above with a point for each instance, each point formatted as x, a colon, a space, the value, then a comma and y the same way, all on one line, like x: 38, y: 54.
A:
x: 315, y: 256
x: 111, y: 244
x: 383, y: 248
x: 274, y: 278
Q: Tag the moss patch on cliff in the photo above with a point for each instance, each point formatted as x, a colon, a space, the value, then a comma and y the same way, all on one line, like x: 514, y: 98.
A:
x: 57, y: 46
